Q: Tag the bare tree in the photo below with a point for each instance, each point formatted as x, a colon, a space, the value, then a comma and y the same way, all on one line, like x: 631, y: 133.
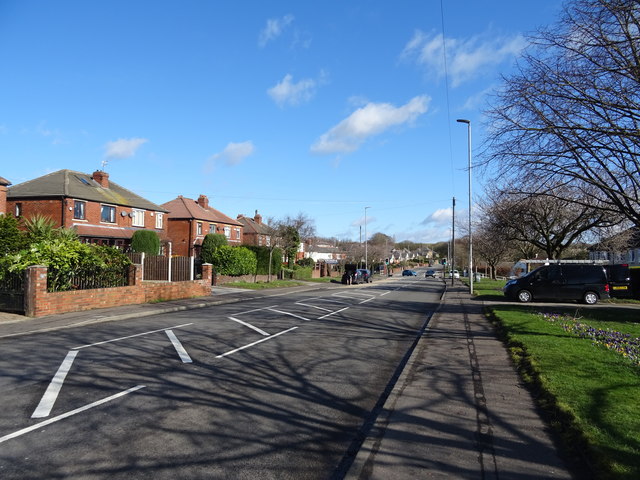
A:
x: 571, y: 115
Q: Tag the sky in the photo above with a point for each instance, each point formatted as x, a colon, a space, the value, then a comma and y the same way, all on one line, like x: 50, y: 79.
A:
x: 343, y: 110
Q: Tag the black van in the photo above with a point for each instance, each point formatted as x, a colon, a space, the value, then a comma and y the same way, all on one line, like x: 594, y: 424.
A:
x: 619, y: 280
x: 585, y: 283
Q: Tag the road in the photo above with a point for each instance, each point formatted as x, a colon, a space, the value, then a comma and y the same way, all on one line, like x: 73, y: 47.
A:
x: 279, y: 387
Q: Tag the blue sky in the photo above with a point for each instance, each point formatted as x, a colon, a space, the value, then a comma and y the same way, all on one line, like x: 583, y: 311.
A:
x: 319, y: 107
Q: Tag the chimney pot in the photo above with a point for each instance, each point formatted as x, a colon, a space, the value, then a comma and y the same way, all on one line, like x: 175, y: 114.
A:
x: 101, y: 177
x: 203, y: 201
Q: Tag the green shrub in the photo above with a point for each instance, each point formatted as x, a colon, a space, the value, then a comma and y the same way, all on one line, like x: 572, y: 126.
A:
x: 262, y: 257
x: 145, y: 241
x: 297, y: 273
x: 210, y: 244
x: 306, y: 262
x: 11, y: 238
x: 234, y: 261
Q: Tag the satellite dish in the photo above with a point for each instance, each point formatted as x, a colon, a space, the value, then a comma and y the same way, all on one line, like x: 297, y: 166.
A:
x: 124, y: 214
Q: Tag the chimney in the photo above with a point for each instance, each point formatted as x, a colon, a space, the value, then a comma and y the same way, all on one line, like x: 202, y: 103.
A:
x: 257, y: 218
x: 3, y: 195
x: 203, y: 201
x: 101, y: 177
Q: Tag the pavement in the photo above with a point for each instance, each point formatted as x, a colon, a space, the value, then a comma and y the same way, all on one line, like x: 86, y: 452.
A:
x: 457, y: 410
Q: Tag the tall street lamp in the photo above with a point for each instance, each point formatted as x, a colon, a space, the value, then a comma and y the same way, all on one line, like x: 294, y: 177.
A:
x: 365, y: 237
x: 462, y: 120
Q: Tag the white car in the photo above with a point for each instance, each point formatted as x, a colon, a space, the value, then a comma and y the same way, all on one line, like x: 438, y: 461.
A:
x: 456, y: 274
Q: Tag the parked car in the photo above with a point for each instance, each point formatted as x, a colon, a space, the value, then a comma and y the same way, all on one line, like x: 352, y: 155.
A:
x: 366, y: 275
x: 430, y: 273
x: 456, y: 274
x: 586, y: 283
x: 409, y: 273
x: 619, y: 280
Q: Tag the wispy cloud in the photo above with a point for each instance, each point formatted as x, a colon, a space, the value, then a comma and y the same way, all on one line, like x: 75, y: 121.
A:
x: 234, y: 153
x: 440, y: 217
x: 274, y: 29
x: 360, y: 222
x: 368, y: 121
x: 466, y: 58
x: 123, y: 147
x: 288, y: 92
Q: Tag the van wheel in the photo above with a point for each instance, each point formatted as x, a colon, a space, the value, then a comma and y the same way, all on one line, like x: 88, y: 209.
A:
x: 524, y: 296
x: 590, y: 298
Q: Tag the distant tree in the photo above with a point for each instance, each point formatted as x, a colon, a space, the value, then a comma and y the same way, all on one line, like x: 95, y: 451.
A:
x: 381, y: 239
x: 145, y: 241
x: 210, y: 244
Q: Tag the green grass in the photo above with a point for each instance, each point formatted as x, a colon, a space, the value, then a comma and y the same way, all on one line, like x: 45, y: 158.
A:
x: 591, y: 395
x: 264, y: 285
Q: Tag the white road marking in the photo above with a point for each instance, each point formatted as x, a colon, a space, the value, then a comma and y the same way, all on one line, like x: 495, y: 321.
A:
x: 288, y: 313
x: 256, y: 310
x: 131, y: 336
x: 262, y: 332
x: 314, y: 306
x: 385, y: 293
x: 255, y: 343
x: 51, y: 394
x: 68, y: 414
x: 367, y: 300
x: 332, y: 313
x: 184, y: 356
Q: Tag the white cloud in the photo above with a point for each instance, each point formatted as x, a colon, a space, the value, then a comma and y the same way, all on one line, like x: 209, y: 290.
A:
x: 123, y: 147
x: 288, y: 92
x: 360, y: 222
x: 274, y: 29
x: 440, y: 217
x: 466, y: 59
x: 368, y: 121
x: 235, y: 153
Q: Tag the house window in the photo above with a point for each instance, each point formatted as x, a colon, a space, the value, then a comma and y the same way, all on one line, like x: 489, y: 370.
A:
x: 237, y: 234
x: 212, y: 228
x: 227, y: 232
x: 268, y: 240
x: 79, y: 210
x: 159, y: 219
x: 108, y: 214
x: 138, y: 218
x: 18, y: 209
x: 199, y: 228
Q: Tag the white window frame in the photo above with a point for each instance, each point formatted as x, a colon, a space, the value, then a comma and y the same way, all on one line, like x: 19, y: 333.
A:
x: 159, y: 220
x: 198, y: 228
x: 137, y: 217
x: 83, y: 207
x: 227, y: 231
x: 237, y: 234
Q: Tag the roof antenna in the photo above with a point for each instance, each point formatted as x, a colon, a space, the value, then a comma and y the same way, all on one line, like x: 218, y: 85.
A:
x: 104, y: 164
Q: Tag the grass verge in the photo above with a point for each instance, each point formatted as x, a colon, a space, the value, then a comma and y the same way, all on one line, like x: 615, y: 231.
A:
x: 590, y: 393
x: 264, y: 285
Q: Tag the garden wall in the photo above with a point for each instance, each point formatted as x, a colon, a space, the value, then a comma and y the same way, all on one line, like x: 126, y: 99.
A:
x: 39, y: 302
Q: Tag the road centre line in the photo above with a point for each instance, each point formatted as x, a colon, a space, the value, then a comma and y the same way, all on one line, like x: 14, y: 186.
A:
x: 131, y: 336
x: 332, y: 313
x: 68, y: 414
x: 255, y: 343
x: 51, y: 394
x: 262, y: 332
x: 184, y: 356
x: 288, y: 313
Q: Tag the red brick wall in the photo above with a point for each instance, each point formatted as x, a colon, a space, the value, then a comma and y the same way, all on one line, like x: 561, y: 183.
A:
x: 51, y: 208
x: 3, y: 199
x: 39, y: 302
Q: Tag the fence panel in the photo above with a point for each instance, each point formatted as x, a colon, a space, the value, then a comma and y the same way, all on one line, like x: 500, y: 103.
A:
x: 156, y: 267
x: 180, y: 269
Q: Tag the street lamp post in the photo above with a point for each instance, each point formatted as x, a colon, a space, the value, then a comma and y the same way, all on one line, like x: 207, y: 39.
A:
x: 365, y: 238
x: 468, y: 122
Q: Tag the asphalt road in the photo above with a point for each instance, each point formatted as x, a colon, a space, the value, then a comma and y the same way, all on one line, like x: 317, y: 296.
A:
x: 278, y: 387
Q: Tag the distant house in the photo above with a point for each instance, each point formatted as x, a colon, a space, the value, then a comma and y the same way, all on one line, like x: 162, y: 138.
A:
x: 101, y: 211
x: 189, y: 221
x: 4, y: 183
x: 621, y: 248
x: 254, y: 231
x: 324, y: 253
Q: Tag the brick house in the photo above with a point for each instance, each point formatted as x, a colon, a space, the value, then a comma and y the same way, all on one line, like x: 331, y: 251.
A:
x: 4, y: 183
x: 254, y: 231
x: 100, y: 210
x: 188, y: 221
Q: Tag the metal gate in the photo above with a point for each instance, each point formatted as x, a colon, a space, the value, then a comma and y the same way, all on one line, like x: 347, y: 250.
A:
x: 12, y: 293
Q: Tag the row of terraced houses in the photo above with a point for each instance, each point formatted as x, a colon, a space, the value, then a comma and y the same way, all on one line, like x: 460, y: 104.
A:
x: 103, y: 212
